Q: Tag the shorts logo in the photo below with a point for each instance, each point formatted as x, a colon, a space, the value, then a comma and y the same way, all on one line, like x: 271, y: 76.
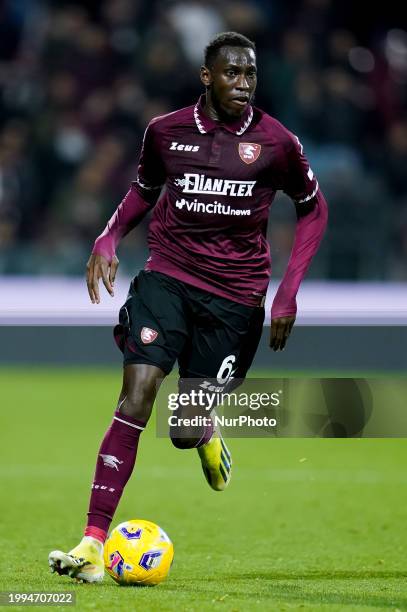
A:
x: 249, y: 152
x: 148, y: 335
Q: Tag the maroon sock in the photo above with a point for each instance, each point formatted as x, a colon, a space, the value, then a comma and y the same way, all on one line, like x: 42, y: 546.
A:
x: 114, y: 466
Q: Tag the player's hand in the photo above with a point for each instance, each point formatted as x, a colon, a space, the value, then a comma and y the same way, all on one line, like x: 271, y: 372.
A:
x: 279, y: 332
x: 96, y: 268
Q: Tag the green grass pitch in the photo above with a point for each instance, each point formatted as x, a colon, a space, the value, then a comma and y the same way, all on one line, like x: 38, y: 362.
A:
x: 306, y: 524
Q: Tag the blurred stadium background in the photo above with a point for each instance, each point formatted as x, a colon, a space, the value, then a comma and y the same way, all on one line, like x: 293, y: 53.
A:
x: 80, y: 80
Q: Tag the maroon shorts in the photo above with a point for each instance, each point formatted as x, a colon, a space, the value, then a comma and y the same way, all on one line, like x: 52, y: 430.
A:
x: 164, y: 320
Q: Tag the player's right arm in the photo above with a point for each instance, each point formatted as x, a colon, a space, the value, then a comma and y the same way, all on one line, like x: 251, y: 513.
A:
x: 141, y: 198
x: 312, y: 215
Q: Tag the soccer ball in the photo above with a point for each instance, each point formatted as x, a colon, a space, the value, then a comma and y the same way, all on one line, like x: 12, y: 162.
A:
x: 138, y: 552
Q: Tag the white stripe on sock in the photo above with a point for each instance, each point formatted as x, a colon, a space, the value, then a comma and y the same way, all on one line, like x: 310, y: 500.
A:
x: 130, y: 424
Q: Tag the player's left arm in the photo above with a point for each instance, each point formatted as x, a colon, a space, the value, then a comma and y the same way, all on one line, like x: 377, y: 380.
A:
x: 312, y: 215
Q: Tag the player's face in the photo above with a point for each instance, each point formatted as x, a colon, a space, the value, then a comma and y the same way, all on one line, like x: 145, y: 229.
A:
x: 231, y: 81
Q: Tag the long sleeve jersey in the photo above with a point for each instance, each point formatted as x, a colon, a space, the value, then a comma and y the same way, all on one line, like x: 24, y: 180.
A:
x: 210, y: 186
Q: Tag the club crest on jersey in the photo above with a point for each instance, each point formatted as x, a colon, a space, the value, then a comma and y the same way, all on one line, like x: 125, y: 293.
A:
x: 249, y: 152
x: 148, y: 335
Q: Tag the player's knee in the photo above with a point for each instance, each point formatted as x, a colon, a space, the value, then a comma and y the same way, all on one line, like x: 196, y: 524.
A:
x: 138, y: 403
x: 140, y: 384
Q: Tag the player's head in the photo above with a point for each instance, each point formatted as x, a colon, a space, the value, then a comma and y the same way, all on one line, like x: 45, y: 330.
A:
x: 229, y: 73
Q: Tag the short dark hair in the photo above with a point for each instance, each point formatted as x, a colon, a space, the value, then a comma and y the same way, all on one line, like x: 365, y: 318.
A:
x: 225, y: 39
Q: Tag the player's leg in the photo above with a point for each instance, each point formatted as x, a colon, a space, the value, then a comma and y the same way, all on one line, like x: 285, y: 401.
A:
x: 118, y: 451
x: 224, y: 342
x: 218, y: 354
x: 216, y: 460
x: 151, y: 334
x: 115, y: 463
x: 191, y: 425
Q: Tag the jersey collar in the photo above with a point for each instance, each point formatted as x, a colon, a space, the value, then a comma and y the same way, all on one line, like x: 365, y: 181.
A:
x: 206, y: 124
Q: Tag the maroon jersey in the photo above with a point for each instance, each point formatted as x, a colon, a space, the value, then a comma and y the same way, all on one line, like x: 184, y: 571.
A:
x: 209, y: 225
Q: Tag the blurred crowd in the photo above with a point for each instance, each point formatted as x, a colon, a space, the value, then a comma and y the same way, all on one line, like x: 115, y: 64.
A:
x: 80, y: 80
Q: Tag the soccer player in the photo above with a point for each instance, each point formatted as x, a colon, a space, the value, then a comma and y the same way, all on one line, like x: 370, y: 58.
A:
x: 200, y: 298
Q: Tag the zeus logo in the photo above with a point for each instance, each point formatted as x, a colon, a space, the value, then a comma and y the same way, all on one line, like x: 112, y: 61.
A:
x: 199, y: 183
x: 175, y: 146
